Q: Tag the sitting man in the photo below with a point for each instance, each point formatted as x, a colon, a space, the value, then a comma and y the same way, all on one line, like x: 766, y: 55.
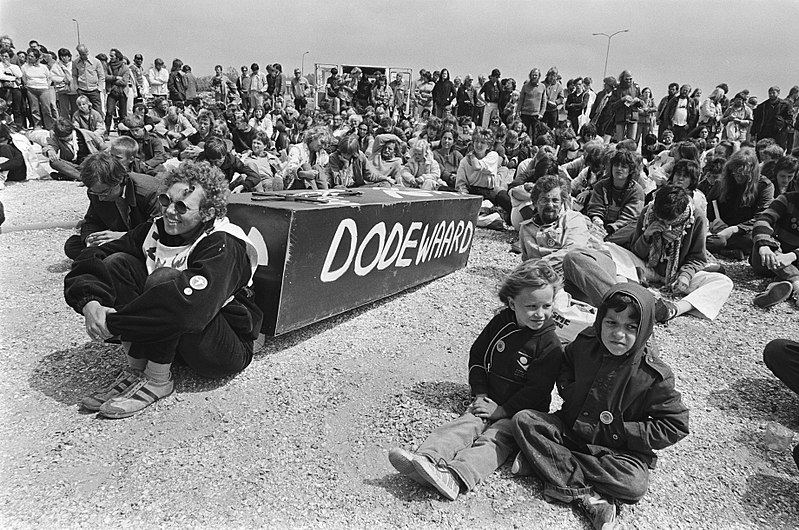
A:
x: 175, y: 128
x: 118, y: 202
x: 550, y: 230
x: 176, y: 286
x: 240, y: 176
x: 667, y: 247
x: 67, y: 148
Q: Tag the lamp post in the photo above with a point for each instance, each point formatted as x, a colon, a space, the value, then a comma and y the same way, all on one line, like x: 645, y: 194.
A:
x: 607, y: 54
x: 78, y: 28
x: 302, y: 67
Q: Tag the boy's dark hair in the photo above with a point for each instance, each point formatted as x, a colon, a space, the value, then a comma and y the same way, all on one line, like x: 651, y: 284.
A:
x: 535, y: 274
x: 215, y: 148
x: 670, y: 202
x: 650, y: 139
x: 102, y: 167
x: 588, y: 130
x: 688, y: 168
x: 619, y: 303
x: 627, y: 158
x: 546, y: 166
x: 63, y: 127
x: 714, y: 166
x: 787, y: 163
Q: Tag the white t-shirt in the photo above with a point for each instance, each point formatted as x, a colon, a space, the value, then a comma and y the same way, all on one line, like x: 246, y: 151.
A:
x: 681, y: 113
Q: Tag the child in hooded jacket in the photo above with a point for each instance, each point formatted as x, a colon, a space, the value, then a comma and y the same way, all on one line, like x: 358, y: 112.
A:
x: 512, y: 366
x: 619, y: 404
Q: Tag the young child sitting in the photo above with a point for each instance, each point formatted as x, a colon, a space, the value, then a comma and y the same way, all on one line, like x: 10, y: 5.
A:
x: 512, y: 366
x: 776, y: 249
x: 619, y: 403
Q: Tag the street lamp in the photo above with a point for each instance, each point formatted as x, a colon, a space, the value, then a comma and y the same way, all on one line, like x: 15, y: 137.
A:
x: 78, y: 28
x: 605, y: 73
x: 302, y: 68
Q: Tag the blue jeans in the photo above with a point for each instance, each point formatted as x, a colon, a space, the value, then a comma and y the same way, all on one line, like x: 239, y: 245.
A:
x: 470, y: 447
x: 588, y: 275
x: 569, y: 470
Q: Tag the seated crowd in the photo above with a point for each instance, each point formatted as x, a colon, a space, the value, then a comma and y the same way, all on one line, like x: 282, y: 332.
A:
x: 603, y: 188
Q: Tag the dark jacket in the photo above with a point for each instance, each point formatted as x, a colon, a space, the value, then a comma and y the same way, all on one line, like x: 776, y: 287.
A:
x: 771, y: 119
x: 516, y: 367
x: 138, y: 204
x: 166, y: 312
x: 361, y: 173
x: 176, y: 86
x: 232, y: 165
x: 443, y: 92
x: 616, y: 208
x: 671, y: 106
x: 637, y: 389
x: 731, y: 211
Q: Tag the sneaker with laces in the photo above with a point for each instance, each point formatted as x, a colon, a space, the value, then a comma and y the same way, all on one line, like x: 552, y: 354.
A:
x: 124, y: 379
x: 402, y: 461
x: 439, y: 477
x: 664, y: 311
x: 600, y: 510
x: 142, y: 393
x: 774, y: 294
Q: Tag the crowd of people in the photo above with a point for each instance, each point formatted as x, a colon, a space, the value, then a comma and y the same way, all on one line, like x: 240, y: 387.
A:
x: 611, y: 192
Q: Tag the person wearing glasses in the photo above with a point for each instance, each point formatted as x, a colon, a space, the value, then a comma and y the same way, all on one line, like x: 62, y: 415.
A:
x: 67, y: 147
x: 118, y: 201
x: 176, y: 286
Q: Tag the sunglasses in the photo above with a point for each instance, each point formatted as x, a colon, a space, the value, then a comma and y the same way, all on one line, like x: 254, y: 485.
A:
x: 180, y: 206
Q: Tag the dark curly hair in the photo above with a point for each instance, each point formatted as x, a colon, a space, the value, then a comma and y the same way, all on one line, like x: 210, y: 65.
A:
x: 209, y: 178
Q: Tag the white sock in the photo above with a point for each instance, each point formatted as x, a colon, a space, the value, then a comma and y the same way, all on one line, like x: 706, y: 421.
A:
x: 137, y: 364
x: 160, y: 373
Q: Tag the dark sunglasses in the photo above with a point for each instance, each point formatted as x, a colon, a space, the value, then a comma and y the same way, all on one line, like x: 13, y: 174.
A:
x: 180, y: 206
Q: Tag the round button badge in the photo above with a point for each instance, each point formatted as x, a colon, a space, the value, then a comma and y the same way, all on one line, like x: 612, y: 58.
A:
x: 606, y: 417
x: 500, y: 346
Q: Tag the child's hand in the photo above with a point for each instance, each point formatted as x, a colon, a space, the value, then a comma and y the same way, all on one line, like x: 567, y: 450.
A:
x: 487, y: 409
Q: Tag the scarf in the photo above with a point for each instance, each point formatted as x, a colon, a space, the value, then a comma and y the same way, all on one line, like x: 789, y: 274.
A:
x: 666, y: 244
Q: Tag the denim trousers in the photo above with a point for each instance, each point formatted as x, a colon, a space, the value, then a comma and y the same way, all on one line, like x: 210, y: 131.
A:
x: 216, y: 351
x: 470, y: 447
x: 570, y: 471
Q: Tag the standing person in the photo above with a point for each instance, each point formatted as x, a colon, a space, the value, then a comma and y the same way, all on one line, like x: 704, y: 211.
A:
x: 382, y: 95
x: 257, y: 87
x: 116, y: 81
x: 192, y: 89
x: 193, y: 264
x: 512, y: 366
x: 646, y: 116
x: 773, y: 118
x: 424, y: 94
x: 479, y: 101
x: 532, y: 102
x: 681, y: 114
x: 400, y: 97
x: 158, y: 77
x: 37, y: 78
x: 139, y: 79
x: 555, y: 97
x: 710, y: 112
x: 576, y: 103
x: 587, y: 82
x: 11, y: 86
x: 619, y: 405
x: 443, y: 94
x: 279, y: 81
x: 626, y: 102
x: 222, y: 86
x: 176, y: 84
x: 491, y: 91
x: 737, y: 119
x: 88, y: 74
x: 465, y: 97
x: 66, y: 93
x: 671, y: 93
x: 602, y: 113
x: 299, y: 90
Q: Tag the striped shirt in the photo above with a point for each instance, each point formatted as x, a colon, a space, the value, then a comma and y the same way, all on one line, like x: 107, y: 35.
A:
x: 778, y: 225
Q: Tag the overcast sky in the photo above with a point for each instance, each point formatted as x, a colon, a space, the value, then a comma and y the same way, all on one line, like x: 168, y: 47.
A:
x: 746, y: 43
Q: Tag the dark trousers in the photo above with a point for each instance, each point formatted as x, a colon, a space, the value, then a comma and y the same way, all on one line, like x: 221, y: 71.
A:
x: 113, y: 100
x: 530, y: 124
x: 300, y: 103
x: 570, y: 471
x: 680, y: 132
x: 497, y: 196
x: 94, y: 98
x: 216, y: 351
x: 15, y: 165
x: 73, y: 246
x: 782, y: 357
x: 13, y: 97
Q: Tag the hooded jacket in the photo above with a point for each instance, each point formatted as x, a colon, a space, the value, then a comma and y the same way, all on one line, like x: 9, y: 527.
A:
x: 515, y: 366
x: 626, y: 403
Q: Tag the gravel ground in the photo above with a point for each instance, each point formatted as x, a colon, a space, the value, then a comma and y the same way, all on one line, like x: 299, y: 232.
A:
x: 300, y: 438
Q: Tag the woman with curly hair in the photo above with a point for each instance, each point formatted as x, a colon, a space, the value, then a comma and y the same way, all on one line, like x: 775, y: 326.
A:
x: 177, y: 286
x: 741, y: 194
